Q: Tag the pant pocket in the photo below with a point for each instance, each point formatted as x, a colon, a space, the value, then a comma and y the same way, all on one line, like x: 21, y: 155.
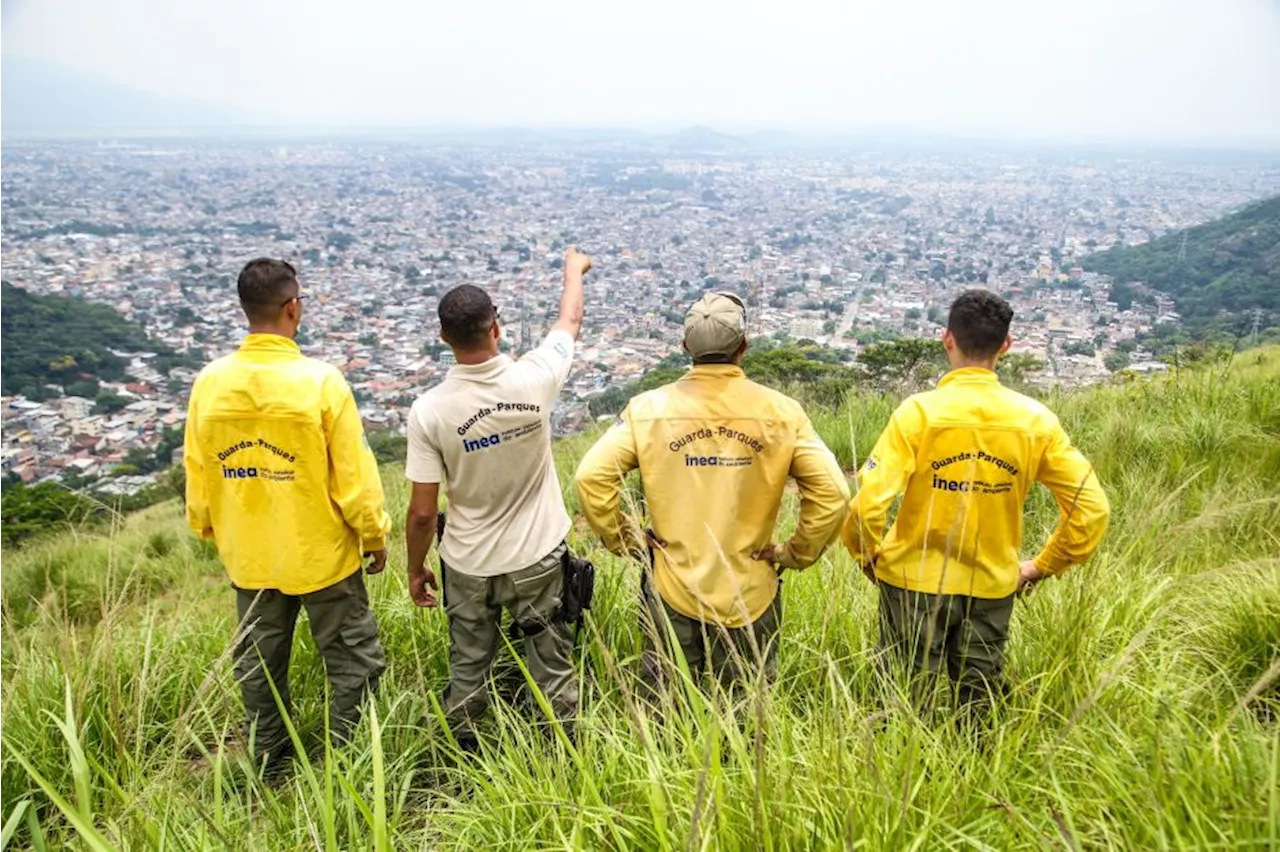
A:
x: 360, y: 644
x: 539, y: 573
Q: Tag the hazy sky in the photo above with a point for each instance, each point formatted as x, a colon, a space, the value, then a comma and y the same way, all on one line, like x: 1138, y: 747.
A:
x: 1128, y: 69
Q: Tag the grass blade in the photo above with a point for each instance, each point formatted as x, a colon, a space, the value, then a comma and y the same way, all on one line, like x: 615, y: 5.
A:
x: 11, y: 824
x: 82, y: 823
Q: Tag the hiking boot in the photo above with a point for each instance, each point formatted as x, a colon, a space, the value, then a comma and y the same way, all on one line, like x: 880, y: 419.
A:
x: 275, y: 767
x: 468, y: 744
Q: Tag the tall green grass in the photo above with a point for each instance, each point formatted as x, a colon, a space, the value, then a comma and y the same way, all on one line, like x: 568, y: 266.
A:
x: 1142, y: 713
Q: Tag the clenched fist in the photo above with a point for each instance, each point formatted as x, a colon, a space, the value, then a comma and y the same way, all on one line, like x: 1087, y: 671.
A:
x: 576, y: 263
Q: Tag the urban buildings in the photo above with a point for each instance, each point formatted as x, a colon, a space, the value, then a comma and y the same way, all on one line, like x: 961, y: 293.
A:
x: 844, y: 247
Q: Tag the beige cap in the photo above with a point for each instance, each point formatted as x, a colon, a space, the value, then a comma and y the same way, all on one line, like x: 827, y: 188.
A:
x: 715, y: 325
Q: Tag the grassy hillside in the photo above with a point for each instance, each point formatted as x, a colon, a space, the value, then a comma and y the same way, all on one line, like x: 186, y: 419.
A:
x: 1143, y: 713
x: 1217, y: 272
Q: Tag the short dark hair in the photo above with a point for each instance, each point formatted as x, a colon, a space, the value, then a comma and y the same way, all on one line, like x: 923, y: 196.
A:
x: 466, y: 315
x: 264, y: 286
x: 979, y: 322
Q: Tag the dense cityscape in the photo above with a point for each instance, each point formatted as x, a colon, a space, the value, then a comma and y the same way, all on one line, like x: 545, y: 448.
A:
x: 844, y: 249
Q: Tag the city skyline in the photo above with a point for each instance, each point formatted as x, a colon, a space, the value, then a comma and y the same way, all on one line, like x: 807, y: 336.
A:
x: 846, y: 249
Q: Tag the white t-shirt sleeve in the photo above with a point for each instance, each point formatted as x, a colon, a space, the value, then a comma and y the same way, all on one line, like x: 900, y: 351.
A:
x: 423, y: 463
x: 552, y: 359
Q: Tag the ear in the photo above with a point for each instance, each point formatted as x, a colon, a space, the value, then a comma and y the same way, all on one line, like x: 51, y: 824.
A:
x: 948, y: 340
x: 1008, y: 341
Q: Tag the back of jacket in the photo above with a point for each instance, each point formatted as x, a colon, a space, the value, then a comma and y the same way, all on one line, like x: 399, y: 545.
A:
x: 278, y: 472
x: 714, y: 451
x: 964, y: 457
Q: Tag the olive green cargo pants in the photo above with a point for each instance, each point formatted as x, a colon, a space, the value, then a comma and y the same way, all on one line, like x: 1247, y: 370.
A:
x: 730, y: 654
x: 923, y: 633
x: 474, y: 606
x: 346, y: 634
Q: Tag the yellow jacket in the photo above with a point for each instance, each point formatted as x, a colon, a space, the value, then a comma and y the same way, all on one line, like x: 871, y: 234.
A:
x: 714, y: 452
x: 278, y: 472
x: 964, y: 456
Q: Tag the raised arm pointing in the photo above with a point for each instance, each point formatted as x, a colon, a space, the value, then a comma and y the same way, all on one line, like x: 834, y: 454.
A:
x: 576, y: 265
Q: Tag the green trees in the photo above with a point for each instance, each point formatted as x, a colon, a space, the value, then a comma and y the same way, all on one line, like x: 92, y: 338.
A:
x: 87, y: 388
x: 1077, y: 347
x: 1217, y: 273
x: 1116, y: 360
x: 906, y: 364
x: 1016, y: 368
x: 815, y: 374
x: 67, y: 342
x: 387, y: 446
x: 28, y: 510
x: 615, y: 399
x: 108, y: 402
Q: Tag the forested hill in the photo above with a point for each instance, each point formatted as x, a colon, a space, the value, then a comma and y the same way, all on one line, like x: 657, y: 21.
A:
x: 1217, y: 273
x: 821, y: 376
x: 63, y: 341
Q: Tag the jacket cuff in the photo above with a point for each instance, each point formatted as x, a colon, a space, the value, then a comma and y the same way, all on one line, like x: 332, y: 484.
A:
x: 1047, y: 565
x: 787, y: 559
x: 369, y: 545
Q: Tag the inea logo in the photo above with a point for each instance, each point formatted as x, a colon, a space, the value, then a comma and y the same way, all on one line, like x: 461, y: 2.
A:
x: 481, y: 443
x: 239, y: 472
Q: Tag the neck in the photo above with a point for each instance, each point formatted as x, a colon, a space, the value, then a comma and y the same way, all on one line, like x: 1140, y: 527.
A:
x: 475, y: 356
x: 272, y: 328
x: 961, y: 363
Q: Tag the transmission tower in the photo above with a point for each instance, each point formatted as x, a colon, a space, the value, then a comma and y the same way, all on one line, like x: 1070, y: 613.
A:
x: 754, y: 303
x: 1257, y: 325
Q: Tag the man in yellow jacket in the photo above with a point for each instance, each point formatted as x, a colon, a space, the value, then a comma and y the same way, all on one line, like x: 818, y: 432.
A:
x: 714, y: 451
x: 280, y: 477
x: 963, y: 457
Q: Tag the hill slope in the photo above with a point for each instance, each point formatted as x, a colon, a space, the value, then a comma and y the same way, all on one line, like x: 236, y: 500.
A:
x: 1142, y: 712
x: 66, y: 342
x: 1216, y: 272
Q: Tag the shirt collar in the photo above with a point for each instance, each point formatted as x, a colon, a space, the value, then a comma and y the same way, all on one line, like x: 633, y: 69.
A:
x: 715, y: 371
x: 969, y: 376
x: 483, y: 370
x: 269, y: 343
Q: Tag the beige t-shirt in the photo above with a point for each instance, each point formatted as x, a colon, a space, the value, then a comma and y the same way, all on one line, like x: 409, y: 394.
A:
x: 485, y: 431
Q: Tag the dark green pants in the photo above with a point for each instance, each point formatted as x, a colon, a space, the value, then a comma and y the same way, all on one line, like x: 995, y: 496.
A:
x: 474, y: 606
x: 730, y: 654
x: 923, y: 633
x: 346, y: 634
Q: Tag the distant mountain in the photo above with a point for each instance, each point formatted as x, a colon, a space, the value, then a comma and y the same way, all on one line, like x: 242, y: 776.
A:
x: 702, y: 139
x: 1217, y: 273
x: 39, y: 96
